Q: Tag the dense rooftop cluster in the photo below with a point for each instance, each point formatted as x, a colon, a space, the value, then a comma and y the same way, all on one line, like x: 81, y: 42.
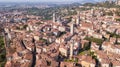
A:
x: 88, y: 39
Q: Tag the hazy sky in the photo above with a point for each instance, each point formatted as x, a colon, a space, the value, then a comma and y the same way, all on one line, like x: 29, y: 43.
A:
x: 33, y: 0
x: 42, y: 0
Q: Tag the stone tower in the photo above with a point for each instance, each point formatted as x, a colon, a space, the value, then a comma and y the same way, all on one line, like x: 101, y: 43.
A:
x: 113, y: 18
x: 78, y: 18
x: 72, y: 28
x: 92, y: 12
x: 54, y: 17
x: 71, y: 49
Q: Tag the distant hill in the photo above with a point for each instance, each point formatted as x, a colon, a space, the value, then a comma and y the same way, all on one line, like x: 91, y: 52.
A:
x: 89, y: 1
